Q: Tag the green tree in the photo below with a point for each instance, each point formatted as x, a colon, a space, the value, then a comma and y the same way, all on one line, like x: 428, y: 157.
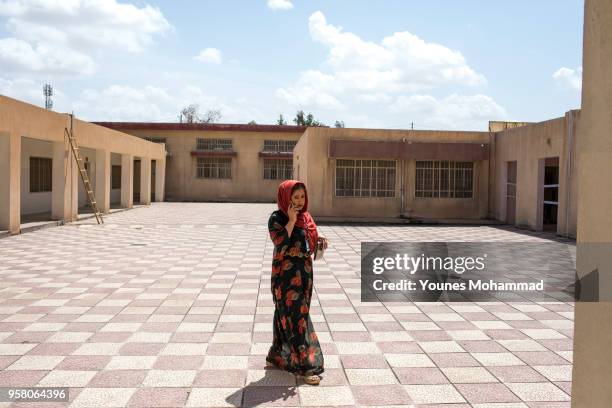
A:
x: 281, y: 120
x: 252, y: 123
x: 306, y: 120
x: 339, y: 124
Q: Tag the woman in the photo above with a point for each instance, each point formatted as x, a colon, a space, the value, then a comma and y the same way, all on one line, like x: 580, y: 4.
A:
x: 295, y: 346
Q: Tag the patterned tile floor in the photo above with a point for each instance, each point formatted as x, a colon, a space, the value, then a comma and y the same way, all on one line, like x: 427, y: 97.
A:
x: 170, y: 305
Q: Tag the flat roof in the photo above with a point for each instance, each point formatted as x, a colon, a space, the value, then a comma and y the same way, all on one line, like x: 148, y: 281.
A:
x: 201, y: 126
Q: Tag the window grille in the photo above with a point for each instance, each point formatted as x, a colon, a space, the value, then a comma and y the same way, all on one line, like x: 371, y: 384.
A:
x: 444, y: 179
x: 365, y: 178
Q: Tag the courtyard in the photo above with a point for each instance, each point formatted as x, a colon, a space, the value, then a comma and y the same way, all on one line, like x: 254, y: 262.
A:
x: 170, y: 305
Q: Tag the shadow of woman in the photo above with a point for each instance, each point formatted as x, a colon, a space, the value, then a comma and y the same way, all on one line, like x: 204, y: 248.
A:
x: 274, y: 385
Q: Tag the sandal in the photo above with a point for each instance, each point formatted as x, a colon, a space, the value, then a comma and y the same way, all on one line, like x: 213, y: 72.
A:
x: 311, y: 379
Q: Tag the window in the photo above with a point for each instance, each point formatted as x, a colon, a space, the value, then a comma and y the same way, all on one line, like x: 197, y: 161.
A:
x: 116, y: 177
x: 365, y: 178
x: 214, y: 167
x: 551, y: 192
x: 214, y: 144
x: 155, y: 139
x: 279, y: 145
x: 40, y: 174
x: 444, y: 179
x: 278, y: 169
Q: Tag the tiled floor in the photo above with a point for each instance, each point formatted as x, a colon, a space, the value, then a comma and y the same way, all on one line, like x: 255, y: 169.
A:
x: 170, y: 305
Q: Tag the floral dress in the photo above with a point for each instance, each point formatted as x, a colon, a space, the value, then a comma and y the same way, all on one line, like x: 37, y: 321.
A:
x: 295, y: 346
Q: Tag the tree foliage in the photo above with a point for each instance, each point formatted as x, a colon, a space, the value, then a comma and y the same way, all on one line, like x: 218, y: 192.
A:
x: 191, y: 114
x: 301, y: 119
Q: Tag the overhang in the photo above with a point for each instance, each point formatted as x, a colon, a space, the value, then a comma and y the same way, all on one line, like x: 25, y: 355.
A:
x: 276, y: 155
x: 213, y: 153
x: 397, y: 149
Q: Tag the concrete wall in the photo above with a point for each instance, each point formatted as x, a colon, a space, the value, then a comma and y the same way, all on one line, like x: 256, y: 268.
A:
x: 527, y: 145
x: 592, y: 363
x: 40, y: 202
x: 247, y: 183
x: 300, y: 163
x: 320, y: 177
x: 19, y: 120
x: 498, y: 125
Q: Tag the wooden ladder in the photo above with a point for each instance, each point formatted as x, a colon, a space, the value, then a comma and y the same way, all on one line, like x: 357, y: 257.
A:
x: 83, y: 172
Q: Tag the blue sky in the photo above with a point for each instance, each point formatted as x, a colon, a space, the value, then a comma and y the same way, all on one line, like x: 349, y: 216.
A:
x: 385, y: 64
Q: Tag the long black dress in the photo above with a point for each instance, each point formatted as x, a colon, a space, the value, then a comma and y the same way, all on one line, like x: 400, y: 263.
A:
x: 295, y: 346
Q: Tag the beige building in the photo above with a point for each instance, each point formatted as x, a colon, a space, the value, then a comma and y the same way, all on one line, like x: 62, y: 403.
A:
x: 522, y: 174
x: 218, y: 162
x: 517, y: 173
x: 39, y: 176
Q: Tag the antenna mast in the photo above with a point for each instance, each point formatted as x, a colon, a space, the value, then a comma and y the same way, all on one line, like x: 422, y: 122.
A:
x: 48, y: 92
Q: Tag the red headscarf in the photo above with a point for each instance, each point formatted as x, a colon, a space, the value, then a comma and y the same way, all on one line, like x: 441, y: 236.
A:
x: 304, y: 219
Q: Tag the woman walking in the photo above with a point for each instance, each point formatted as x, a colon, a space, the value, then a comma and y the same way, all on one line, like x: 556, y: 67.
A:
x: 295, y: 346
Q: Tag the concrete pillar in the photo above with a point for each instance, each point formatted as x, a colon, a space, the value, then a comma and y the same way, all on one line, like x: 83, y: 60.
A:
x: 592, y: 360
x: 127, y: 180
x: 65, y: 187
x: 103, y: 180
x: 160, y: 179
x: 10, y: 182
x: 145, y: 180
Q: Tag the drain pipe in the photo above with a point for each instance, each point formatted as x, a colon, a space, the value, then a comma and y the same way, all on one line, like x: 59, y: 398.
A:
x: 568, y: 169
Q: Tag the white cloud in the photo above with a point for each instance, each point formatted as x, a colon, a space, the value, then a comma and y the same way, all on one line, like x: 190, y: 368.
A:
x: 60, y: 36
x: 123, y: 103
x: 569, y: 78
x: 382, y: 84
x: 280, y: 4
x: 452, y: 112
x: 16, y: 55
x: 212, y: 55
x: 23, y: 89
x: 314, y: 88
x: 366, y: 70
x: 401, y: 62
x: 158, y: 104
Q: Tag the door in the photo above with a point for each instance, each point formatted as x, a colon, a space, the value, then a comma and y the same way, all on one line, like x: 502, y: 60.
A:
x: 511, y: 193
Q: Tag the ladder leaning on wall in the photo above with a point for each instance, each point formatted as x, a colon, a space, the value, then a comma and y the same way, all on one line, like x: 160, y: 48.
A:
x: 82, y: 171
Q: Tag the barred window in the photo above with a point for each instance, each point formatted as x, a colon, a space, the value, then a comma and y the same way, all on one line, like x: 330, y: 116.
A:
x: 155, y: 139
x: 444, y: 179
x: 278, y: 169
x: 40, y: 174
x: 214, y: 167
x: 214, y: 144
x: 365, y: 178
x: 115, y: 177
x: 279, y: 145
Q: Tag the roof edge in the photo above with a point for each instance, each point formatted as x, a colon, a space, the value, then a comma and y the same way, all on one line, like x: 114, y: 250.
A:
x: 201, y: 126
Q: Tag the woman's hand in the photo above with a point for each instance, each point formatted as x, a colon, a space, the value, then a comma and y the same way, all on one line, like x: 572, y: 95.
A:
x: 292, y: 213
